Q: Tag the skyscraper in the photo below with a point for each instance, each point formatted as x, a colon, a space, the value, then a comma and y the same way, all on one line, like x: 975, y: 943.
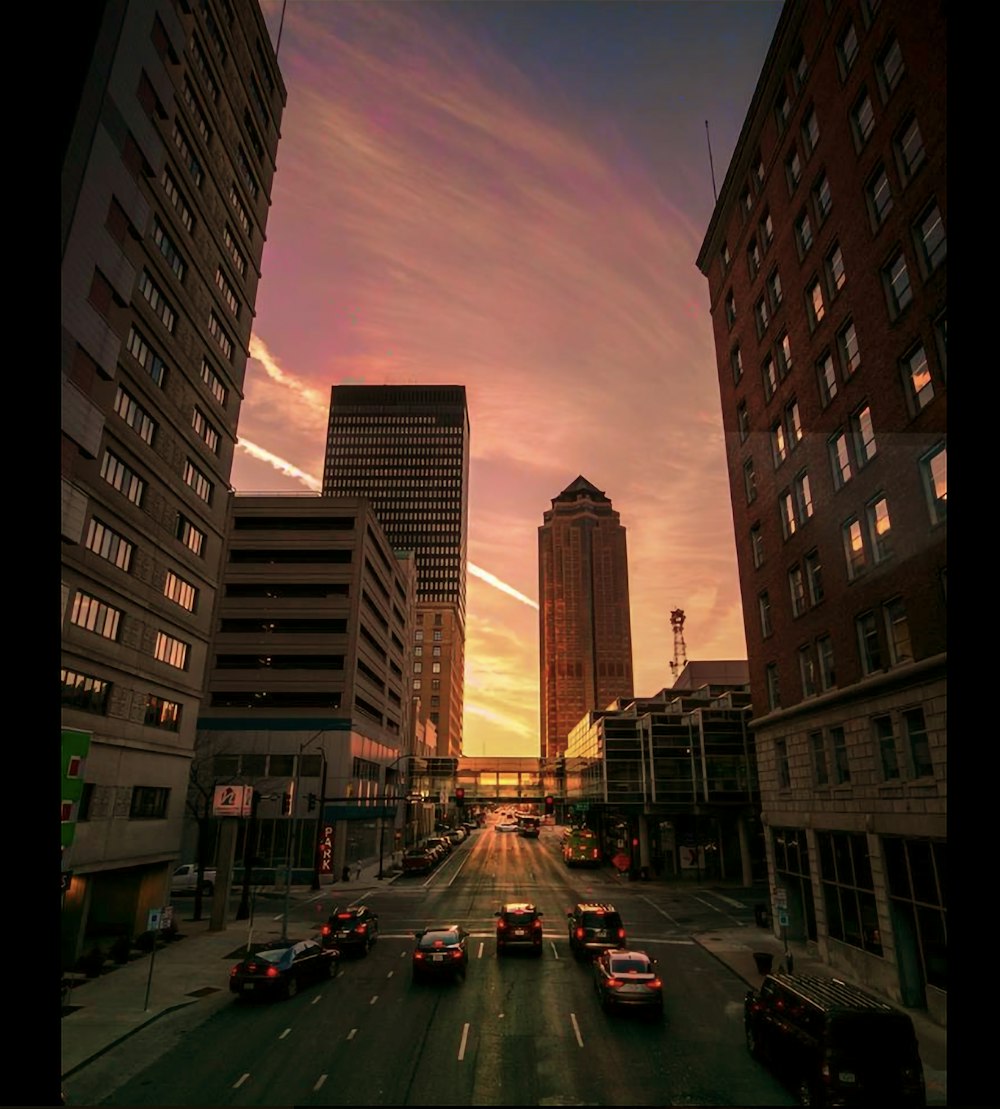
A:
x: 826, y: 261
x: 166, y: 178
x: 406, y: 448
x: 585, y: 627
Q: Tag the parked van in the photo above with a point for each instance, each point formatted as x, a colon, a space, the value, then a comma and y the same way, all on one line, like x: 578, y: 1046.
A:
x: 834, y: 1044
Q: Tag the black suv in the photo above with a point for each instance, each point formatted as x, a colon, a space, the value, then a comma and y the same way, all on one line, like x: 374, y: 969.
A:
x: 834, y: 1044
x: 519, y: 924
x: 593, y: 928
x: 354, y: 929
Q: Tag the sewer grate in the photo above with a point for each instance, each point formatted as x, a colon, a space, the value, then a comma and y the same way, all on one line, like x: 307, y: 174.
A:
x: 204, y: 991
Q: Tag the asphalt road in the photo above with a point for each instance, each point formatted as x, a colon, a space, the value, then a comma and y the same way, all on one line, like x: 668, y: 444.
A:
x: 517, y: 1030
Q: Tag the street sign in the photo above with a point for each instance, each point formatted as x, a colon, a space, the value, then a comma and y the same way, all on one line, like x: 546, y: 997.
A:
x: 781, y: 898
x: 166, y: 918
x: 783, y: 918
x: 232, y: 801
x: 153, y: 920
x: 622, y: 862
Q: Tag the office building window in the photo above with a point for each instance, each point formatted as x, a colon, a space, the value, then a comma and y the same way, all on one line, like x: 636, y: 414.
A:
x: 764, y: 607
x: 161, y: 713
x: 879, y: 528
x: 848, y: 889
x: 841, y: 764
x: 814, y: 577
x: 836, y: 276
x: 192, y: 538
x: 885, y: 744
x: 214, y: 382
x: 743, y: 421
x: 134, y: 415
x: 932, y: 244
x: 174, y: 652
x: 228, y: 295
x: 847, y: 49
x: 197, y: 481
x: 218, y: 332
x: 868, y: 642
x: 807, y: 671
x: 95, y: 616
x: 863, y: 432
x: 917, y: 743
x: 814, y: 303
x: 934, y: 471
x: 81, y: 691
x: 204, y: 430
x: 176, y: 198
x: 854, y: 548
x: 749, y: 481
x: 753, y: 258
x: 757, y: 546
x: 762, y: 316
x: 773, y: 692
x: 797, y: 589
x: 770, y: 377
x: 157, y: 301
x: 784, y: 349
x: 896, y: 280
x: 823, y: 199
x: 803, y: 233
x: 736, y: 361
x: 181, y: 592
x: 109, y: 544
x: 848, y: 348
x: 169, y: 251
x: 786, y: 508
x: 766, y: 228
x: 897, y: 627
x: 827, y: 377
x: 793, y: 424
x: 149, y: 803
x: 724, y: 256
x: 817, y: 749
x: 781, y: 761
x: 803, y: 497
x: 146, y: 357
x: 824, y: 652
x: 730, y: 308
x: 800, y: 67
x: 909, y: 146
x: 120, y: 477
x: 917, y: 379
x: 435, y: 667
x: 774, y: 289
x: 759, y: 172
x: 890, y: 68
x: 746, y: 200
x: 862, y: 119
x: 879, y: 196
x: 810, y: 131
x: 793, y: 169
x: 782, y: 109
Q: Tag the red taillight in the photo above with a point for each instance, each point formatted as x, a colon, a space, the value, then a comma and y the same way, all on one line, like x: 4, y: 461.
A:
x: 418, y: 956
x: 325, y: 929
x: 579, y: 933
x: 537, y: 926
x: 593, y: 853
x: 361, y: 928
x: 656, y: 984
x: 456, y: 954
x: 273, y: 972
x: 501, y: 924
x: 234, y: 972
x: 621, y: 934
x: 614, y: 983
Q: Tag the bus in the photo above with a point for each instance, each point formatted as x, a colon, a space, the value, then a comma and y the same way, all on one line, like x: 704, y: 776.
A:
x: 528, y: 826
x: 581, y: 848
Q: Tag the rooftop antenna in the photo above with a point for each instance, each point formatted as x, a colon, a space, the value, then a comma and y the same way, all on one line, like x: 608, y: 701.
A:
x: 680, y: 649
x: 281, y: 24
x: 711, y: 165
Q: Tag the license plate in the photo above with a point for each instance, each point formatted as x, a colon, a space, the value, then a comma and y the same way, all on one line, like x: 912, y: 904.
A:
x: 437, y: 958
x: 632, y: 987
x: 248, y: 985
x: 846, y: 1076
x: 519, y: 932
x: 600, y: 934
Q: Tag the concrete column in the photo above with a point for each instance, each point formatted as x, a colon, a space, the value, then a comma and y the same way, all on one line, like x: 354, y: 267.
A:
x: 644, y: 858
x: 223, y: 874
x: 741, y: 831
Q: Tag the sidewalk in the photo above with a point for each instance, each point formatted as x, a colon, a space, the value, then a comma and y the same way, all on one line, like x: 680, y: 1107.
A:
x: 189, y: 978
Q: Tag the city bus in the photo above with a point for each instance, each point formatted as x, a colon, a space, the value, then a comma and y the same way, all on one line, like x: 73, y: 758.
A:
x: 582, y: 848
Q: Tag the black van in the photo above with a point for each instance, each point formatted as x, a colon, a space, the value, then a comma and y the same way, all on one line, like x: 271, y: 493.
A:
x: 833, y: 1043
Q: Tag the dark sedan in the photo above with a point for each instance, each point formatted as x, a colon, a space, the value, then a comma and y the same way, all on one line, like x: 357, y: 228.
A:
x: 280, y: 971
x: 441, y: 951
x: 354, y: 929
x: 628, y: 979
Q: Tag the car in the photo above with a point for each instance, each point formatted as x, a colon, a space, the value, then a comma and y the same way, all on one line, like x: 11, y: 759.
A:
x: 623, y: 977
x: 442, y: 845
x: 442, y: 950
x: 354, y: 929
x: 280, y: 971
x: 185, y: 878
x: 519, y: 924
x: 833, y: 1043
x: 594, y: 926
x: 507, y: 826
x: 455, y: 836
x: 418, y: 860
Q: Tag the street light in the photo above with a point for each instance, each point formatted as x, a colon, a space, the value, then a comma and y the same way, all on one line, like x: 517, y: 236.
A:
x: 381, y: 830
x: 294, y: 817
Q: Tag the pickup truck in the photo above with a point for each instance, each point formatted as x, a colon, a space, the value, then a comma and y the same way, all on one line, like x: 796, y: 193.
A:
x: 186, y: 875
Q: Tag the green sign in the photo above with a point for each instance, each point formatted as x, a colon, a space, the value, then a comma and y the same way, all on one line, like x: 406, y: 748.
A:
x: 583, y: 806
x: 75, y: 747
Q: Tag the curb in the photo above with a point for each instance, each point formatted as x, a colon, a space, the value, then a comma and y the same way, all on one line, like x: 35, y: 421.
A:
x: 124, y: 1036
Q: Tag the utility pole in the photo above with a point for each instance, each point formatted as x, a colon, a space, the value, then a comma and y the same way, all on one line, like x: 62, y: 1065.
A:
x: 248, y: 856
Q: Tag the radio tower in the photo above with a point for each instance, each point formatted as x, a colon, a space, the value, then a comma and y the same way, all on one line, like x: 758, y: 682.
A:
x: 680, y: 650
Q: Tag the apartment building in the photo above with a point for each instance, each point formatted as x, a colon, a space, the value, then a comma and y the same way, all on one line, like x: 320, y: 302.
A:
x: 585, y: 628
x: 168, y: 163
x: 826, y: 261
x: 406, y: 448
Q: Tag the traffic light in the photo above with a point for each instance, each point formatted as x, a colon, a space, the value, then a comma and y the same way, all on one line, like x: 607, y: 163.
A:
x: 312, y: 802
x: 286, y: 803
x: 550, y: 805
x: 460, y: 797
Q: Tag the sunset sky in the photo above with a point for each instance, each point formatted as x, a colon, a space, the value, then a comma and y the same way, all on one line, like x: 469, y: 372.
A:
x: 511, y: 196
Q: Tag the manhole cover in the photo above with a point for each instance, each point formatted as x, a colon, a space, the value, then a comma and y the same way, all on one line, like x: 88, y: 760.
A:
x: 204, y: 991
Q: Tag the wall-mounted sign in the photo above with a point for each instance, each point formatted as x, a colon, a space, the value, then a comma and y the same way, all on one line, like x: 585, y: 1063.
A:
x: 232, y: 801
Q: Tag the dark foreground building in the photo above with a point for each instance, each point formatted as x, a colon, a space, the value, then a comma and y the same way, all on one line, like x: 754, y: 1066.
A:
x: 826, y: 260
x: 168, y: 164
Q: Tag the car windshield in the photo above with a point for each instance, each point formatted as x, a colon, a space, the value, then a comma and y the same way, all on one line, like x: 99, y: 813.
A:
x: 871, y: 1034
x: 273, y: 956
x: 631, y: 965
x: 519, y: 916
x: 600, y: 920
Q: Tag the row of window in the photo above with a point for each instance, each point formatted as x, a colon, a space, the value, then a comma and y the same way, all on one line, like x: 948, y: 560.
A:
x: 90, y: 694
x: 95, y: 615
x: 146, y: 803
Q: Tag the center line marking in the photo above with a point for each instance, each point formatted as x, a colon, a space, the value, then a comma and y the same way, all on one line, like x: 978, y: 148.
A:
x: 352, y: 1033
x: 465, y: 1038
x: 576, y: 1029
x: 319, y: 1081
x: 236, y: 1085
x: 284, y: 1034
x: 373, y: 1000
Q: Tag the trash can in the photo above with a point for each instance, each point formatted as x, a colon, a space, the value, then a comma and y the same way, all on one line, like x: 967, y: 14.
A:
x: 762, y: 916
x: 764, y: 961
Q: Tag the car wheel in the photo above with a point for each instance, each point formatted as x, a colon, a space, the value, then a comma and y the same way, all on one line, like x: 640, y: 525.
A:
x: 291, y: 986
x: 753, y: 1043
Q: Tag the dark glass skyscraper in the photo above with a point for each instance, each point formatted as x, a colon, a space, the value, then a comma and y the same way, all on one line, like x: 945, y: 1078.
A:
x: 585, y: 628
x: 406, y: 448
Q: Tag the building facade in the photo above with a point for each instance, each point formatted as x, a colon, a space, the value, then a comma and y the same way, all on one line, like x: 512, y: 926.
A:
x: 166, y: 179
x: 585, y: 627
x: 308, y: 681
x: 406, y: 448
x: 826, y: 260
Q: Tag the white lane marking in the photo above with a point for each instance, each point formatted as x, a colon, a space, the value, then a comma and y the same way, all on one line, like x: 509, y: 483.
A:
x: 465, y: 1040
x: 663, y: 912
x: 716, y: 909
x: 729, y: 900
x: 319, y: 997
x: 236, y: 1085
x: 284, y: 1034
x: 555, y: 950
x: 319, y: 1081
x: 374, y: 999
x: 576, y: 1029
x: 481, y: 946
x: 353, y: 1032
x: 390, y: 974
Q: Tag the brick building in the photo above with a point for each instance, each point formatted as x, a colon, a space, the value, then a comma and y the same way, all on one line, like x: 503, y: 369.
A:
x: 826, y: 260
